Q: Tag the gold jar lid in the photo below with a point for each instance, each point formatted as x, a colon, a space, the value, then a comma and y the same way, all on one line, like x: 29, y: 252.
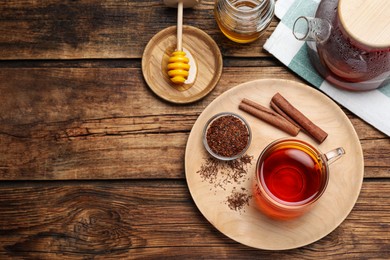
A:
x: 366, y: 21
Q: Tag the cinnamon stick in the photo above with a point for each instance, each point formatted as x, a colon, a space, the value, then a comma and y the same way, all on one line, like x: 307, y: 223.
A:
x: 315, y: 131
x: 268, y: 116
x: 280, y: 112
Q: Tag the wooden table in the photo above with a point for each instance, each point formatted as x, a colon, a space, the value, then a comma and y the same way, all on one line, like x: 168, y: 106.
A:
x: 92, y: 162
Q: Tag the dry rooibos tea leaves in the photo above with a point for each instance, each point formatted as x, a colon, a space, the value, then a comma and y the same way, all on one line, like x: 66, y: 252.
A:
x: 223, y: 174
x: 227, y: 136
x: 220, y: 173
x: 238, y: 199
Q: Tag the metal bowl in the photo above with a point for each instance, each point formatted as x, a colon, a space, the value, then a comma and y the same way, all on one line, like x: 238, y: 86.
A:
x: 206, y: 144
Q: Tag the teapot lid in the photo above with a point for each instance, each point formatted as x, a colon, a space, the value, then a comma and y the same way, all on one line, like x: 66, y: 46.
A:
x: 367, y: 22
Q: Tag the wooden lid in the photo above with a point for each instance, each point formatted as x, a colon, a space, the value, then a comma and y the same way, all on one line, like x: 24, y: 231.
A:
x: 366, y: 21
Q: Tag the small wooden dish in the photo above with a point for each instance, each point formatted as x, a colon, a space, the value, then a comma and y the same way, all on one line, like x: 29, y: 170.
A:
x: 207, y: 57
x: 249, y: 226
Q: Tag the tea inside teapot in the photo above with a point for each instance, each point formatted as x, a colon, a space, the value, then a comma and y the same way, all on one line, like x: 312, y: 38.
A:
x: 349, y: 57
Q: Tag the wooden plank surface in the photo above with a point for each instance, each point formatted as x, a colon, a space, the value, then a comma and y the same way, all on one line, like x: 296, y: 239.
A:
x: 91, y: 161
x: 143, y: 219
x: 91, y: 29
x: 104, y: 123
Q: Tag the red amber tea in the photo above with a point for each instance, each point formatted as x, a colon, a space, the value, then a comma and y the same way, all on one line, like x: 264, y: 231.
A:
x: 290, y: 176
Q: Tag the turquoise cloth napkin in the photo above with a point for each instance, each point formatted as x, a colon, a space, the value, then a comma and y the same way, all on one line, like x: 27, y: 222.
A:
x: 371, y: 106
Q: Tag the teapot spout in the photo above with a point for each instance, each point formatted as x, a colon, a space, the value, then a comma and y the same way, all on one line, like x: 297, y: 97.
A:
x: 311, y: 29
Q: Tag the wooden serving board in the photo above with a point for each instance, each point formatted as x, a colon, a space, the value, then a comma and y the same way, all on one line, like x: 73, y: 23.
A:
x: 248, y: 225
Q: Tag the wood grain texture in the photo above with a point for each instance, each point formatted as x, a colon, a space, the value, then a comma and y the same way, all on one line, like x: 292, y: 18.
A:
x: 365, y: 22
x: 74, y: 106
x: 84, y: 123
x: 94, y: 29
x: 143, y: 219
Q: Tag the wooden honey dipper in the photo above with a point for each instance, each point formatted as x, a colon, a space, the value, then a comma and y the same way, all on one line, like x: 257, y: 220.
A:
x: 178, y: 64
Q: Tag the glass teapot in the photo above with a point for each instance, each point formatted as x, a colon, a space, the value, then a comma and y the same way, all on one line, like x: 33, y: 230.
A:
x: 349, y: 42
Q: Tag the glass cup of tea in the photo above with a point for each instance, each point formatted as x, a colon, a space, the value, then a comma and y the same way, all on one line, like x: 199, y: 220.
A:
x: 243, y: 21
x: 291, y: 175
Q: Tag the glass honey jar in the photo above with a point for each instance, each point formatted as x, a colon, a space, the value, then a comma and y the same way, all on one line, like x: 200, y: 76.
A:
x: 243, y: 21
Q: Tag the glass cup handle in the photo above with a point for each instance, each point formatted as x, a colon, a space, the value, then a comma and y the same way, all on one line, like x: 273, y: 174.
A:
x: 334, y: 155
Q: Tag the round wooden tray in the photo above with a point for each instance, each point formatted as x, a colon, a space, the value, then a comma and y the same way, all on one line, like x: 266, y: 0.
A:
x: 207, y: 57
x: 249, y: 226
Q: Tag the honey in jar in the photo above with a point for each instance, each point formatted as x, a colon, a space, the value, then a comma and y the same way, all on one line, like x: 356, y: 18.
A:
x: 243, y: 21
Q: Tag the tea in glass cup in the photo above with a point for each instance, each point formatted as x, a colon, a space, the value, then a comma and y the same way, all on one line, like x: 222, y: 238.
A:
x: 291, y: 175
